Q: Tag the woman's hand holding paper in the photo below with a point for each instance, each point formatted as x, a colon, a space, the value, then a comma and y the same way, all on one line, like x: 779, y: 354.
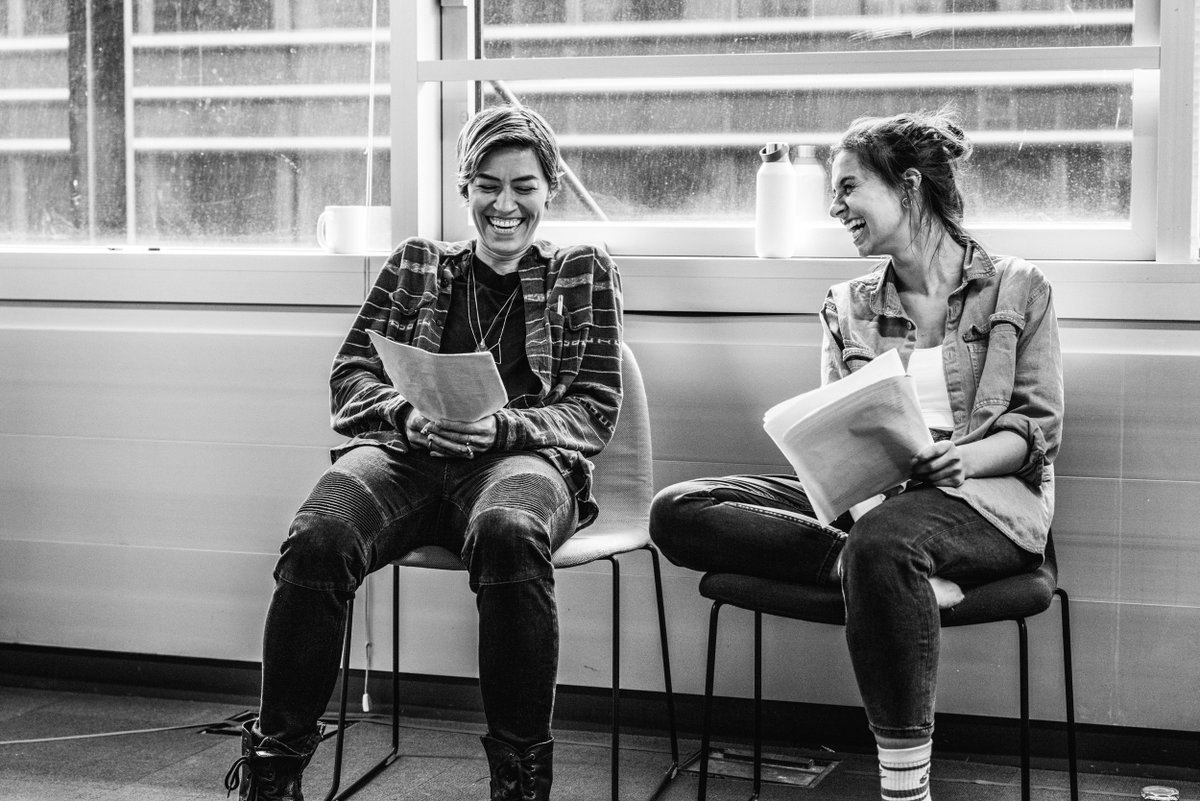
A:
x: 450, y: 438
x: 940, y: 464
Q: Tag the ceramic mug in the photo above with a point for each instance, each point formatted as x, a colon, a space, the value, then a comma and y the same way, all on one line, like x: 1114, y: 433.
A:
x: 355, y: 229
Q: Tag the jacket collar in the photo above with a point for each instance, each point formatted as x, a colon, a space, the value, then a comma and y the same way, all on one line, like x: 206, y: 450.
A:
x: 885, y: 298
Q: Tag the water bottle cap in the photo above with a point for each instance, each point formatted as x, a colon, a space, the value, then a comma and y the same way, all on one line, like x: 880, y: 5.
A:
x: 806, y: 152
x: 774, y: 151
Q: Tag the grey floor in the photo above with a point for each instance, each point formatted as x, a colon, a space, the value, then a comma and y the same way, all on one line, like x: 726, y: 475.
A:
x: 58, y: 745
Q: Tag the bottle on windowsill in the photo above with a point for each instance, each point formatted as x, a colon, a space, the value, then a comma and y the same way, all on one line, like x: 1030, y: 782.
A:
x: 812, y: 206
x: 775, y: 204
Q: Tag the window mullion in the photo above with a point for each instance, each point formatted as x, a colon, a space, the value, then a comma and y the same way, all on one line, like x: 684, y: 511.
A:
x: 458, y: 43
x: 97, y: 116
x: 415, y: 120
x: 1176, y: 223
x: 128, y: 130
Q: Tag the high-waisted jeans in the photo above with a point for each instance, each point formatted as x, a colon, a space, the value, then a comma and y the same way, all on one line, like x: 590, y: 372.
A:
x: 763, y: 525
x: 504, y: 514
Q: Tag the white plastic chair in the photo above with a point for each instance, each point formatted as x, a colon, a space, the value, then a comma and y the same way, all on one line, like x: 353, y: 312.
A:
x: 624, y: 487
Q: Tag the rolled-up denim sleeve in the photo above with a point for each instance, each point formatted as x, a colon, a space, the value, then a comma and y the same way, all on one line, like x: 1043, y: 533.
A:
x: 833, y: 366
x: 1035, y: 411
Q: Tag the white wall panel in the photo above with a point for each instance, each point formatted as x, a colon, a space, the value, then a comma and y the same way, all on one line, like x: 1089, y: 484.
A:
x: 152, y: 458
x: 1087, y: 536
x: 165, y: 494
x: 133, y: 598
x: 186, y: 374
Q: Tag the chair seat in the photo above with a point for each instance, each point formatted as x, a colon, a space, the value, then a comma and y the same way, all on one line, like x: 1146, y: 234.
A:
x: 1020, y: 596
x: 817, y: 604
x: 582, y: 548
x: 434, y: 557
x: 1010, y: 599
x: 587, y: 547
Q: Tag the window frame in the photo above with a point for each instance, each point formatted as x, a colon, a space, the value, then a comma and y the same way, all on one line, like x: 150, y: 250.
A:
x: 1154, y: 231
x: 427, y: 109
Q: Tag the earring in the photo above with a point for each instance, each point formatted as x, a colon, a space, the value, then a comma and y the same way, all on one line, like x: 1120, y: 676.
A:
x: 905, y: 202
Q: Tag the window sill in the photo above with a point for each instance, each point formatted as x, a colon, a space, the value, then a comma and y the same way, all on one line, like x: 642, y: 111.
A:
x: 272, y: 277
x: 1098, y: 290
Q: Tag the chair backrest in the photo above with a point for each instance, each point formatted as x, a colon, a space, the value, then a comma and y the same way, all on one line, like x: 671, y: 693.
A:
x: 623, y: 486
x: 624, y: 476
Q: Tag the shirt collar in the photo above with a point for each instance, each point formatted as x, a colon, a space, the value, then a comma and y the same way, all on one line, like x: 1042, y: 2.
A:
x: 462, y: 251
x: 459, y: 254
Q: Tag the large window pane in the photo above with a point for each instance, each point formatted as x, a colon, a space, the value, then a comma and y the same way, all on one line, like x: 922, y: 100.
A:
x: 1053, y: 152
x: 1053, y: 148
x: 247, y: 117
x: 526, y: 28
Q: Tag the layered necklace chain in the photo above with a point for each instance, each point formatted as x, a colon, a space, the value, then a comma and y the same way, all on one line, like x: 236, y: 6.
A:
x: 475, y: 321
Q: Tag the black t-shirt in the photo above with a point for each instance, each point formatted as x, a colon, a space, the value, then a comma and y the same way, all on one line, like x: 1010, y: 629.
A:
x: 487, y: 312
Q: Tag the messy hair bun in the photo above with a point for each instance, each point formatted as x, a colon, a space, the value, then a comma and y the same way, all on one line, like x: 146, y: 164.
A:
x: 930, y: 142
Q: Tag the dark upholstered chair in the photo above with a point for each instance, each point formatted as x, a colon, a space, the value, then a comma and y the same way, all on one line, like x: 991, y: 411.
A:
x: 1015, y: 599
x: 624, y: 487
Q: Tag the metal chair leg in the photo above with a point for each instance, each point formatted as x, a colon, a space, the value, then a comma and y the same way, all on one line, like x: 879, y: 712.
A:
x: 395, y: 660
x: 369, y: 774
x: 1069, y: 684
x: 616, y: 677
x: 706, y: 730
x: 757, y: 787
x: 1023, y: 638
x: 673, y: 769
x: 341, y: 733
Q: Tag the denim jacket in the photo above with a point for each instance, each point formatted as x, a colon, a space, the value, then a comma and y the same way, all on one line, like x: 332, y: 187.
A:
x: 573, y: 329
x: 1003, y: 372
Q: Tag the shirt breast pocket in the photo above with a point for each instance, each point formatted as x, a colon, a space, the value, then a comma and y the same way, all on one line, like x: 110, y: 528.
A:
x: 993, y: 339
x: 404, y: 315
x: 569, y: 334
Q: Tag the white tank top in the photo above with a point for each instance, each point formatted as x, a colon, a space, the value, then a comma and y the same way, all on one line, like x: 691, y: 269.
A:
x: 925, y: 366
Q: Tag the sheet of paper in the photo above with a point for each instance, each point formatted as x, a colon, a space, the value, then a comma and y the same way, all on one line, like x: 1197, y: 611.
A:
x: 443, y: 386
x: 780, y: 417
x: 851, y: 439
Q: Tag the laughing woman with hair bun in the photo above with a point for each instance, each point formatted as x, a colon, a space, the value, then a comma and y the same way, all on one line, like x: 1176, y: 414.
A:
x: 979, y: 335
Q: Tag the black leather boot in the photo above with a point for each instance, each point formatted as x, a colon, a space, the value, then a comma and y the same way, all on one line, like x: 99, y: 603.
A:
x: 520, y: 776
x: 268, y: 770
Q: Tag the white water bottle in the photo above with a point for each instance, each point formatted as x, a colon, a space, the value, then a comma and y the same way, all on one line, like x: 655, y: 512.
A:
x: 775, y: 204
x: 812, y: 205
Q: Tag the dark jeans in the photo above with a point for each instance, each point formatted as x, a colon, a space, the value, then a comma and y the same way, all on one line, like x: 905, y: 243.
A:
x: 504, y: 514
x: 762, y: 526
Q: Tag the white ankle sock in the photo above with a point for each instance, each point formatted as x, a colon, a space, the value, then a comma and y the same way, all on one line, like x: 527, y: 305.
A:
x: 904, y: 773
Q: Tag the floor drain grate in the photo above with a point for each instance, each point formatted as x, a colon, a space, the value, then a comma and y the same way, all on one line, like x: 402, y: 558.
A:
x: 796, y: 770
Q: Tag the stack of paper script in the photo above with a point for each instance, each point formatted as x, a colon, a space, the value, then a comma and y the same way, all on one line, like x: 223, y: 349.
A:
x: 852, y: 439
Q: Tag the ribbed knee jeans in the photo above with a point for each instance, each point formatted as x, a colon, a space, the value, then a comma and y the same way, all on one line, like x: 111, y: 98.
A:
x: 504, y: 514
x: 762, y: 525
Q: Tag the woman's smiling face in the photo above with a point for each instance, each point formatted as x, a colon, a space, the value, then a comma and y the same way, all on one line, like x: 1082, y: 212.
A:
x: 869, y: 209
x: 507, y: 198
